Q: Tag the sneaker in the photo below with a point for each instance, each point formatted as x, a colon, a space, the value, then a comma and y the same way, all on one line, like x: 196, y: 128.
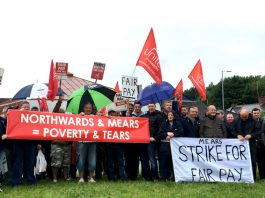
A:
x: 81, y: 180
x: 54, y: 180
x: 91, y: 180
x: 67, y: 179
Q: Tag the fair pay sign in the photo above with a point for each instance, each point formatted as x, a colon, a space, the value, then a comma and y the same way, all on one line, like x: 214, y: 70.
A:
x: 129, y: 87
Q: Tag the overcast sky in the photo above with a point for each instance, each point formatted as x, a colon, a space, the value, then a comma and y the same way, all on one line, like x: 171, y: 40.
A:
x: 225, y: 35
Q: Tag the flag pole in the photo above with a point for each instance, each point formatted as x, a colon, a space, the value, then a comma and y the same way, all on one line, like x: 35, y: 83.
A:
x: 134, y: 70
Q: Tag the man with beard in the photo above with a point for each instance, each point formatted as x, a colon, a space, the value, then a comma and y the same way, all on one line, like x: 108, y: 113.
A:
x: 184, y: 111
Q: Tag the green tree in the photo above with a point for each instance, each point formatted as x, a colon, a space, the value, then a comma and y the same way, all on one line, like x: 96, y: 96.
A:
x: 237, y: 90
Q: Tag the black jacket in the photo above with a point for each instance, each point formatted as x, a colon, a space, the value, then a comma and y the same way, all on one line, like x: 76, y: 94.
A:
x: 245, y: 127
x: 2, y: 131
x: 260, y: 131
x: 155, y: 121
x: 176, y: 128
x: 212, y: 127
x: 229, y: 129
x: 191, y: 128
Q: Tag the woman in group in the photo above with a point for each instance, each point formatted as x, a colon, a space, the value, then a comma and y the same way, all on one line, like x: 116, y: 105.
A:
x: 86, y: 152
x: 169, y: 128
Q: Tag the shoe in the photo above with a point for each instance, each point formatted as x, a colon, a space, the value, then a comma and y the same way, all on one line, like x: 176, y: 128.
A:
x: 91, y: 180
x: 81, y: 180
x: 54, y: 180
x: 67, y: 179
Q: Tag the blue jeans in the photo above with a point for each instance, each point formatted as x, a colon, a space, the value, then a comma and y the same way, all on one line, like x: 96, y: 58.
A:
x: 151, y: 150
x: 24, y: 154
x: 86, y: 151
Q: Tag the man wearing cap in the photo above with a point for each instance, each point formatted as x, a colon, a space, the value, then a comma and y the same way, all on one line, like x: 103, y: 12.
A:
x: 220, y: 114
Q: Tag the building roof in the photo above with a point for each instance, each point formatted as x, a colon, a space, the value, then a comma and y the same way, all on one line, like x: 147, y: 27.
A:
x: 201, y: 106
x: 72, y: 83
x: 249, y: 107
x: 68, y: 86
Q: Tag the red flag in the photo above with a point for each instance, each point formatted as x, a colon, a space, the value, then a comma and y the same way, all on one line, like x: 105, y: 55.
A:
x: 53, y: 83
x: 196, y: 77
x: 179, y: 93
x: 43, y: 104
x: 117, y: 88
x: 149, y: 58
x: 103, y: 111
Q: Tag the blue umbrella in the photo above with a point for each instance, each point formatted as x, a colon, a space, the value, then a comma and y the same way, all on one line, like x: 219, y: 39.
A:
x: 155, y: 93
x: 33, y: 91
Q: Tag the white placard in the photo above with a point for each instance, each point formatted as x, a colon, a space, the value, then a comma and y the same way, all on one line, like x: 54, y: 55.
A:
x: 1, y: 75
x: 129, y: 87
x: 211, y: 160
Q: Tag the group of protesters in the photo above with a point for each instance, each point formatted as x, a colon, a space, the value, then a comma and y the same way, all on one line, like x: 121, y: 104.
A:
x: 92, y: 161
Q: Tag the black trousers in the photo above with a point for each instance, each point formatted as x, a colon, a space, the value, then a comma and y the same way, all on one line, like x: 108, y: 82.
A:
x: 253, y: 155
x: 165, y: 162
x: 132, y: 161
x: 261, y: 159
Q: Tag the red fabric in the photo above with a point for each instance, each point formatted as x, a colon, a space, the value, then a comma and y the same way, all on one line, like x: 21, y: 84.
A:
x: 43, y: 104
x: 196, y: 77
x: 53, y: 83
x: 103, y: 111
x: 35, y: 125
x: 149, y: 58
x: 179, y: 93
x: 117, y: 88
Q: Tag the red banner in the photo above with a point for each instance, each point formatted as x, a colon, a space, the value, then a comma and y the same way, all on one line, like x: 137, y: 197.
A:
x: 31, y: 125
x: 149, y: 58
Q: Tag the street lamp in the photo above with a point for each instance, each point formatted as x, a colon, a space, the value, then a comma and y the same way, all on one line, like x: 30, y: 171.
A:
x: 223, y: 97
